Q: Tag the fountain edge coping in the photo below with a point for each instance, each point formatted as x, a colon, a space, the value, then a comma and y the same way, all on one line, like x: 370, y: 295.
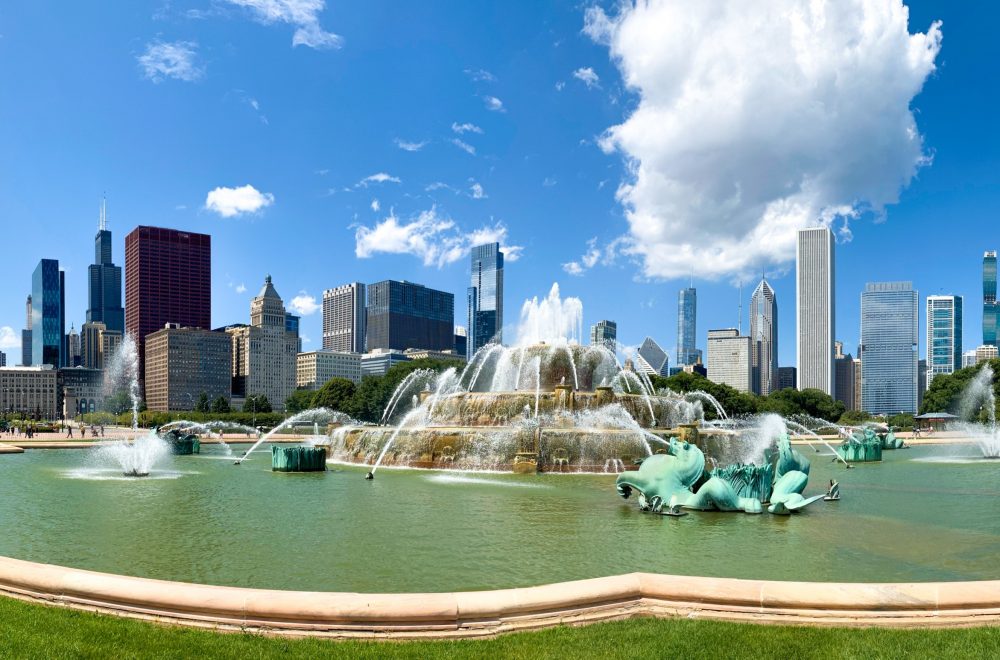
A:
x: 485, y: 613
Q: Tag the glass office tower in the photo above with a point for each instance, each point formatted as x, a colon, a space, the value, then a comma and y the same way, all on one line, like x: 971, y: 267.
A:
x: 485, y: 297
x: 404, y: 315
x: 889, y: 348
x: 944, y: 335
x: 990, y: 308
x: 48, y: 314
x: 687, y: 312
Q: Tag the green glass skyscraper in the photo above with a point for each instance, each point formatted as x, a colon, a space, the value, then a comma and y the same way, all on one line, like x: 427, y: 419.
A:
x: 990, y: 308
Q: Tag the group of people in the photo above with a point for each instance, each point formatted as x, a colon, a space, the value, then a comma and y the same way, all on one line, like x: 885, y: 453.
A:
x: 16, y: 431
x: 95, y: 431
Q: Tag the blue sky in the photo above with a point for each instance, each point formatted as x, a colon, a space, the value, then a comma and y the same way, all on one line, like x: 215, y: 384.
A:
x: 380, y: 139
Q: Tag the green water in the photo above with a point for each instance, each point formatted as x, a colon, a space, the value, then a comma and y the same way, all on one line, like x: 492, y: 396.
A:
x: 409, y: 530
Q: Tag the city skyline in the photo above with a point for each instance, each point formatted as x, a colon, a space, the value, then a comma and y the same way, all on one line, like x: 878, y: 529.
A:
x: 528, y: 165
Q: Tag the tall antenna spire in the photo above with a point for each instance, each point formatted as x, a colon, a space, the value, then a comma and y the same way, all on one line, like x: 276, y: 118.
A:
x: 104, y: 214
x: 739, y: 318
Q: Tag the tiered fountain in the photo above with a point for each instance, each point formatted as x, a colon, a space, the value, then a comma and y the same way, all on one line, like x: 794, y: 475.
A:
x: 545, y: 404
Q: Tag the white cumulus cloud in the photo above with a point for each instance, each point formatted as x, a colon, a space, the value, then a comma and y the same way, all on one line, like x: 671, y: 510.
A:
x: 494, y: 104
x: 435, y: 239
x: 304, y: 304
x: 9, y: 339
x: 241, y: 288
x: 176, y: 59
x: 375, y: 205
x: 476, y: 191
x: 756, y: 119
x: 230, y: 202
x: 588, y: 76
x: 302, y: 14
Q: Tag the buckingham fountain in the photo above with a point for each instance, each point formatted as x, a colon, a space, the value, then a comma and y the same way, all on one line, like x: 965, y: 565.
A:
x: 545, y: 404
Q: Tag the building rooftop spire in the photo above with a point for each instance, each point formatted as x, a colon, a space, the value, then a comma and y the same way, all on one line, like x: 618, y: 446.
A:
x: 103, y: 224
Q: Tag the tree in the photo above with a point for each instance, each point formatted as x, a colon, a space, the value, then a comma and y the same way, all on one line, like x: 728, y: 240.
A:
x: 854, y: 418
x: 810, y: 401
x: 299, y: 400
x: 733, y: 402
x: 203, y: 406
x: 946, y: 390
x: 221, y: 405
x: 257, y: 403
x: 336, y: 394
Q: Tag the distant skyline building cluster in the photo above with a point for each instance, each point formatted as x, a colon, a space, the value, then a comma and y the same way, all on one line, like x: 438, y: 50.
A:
x: 367, y: 328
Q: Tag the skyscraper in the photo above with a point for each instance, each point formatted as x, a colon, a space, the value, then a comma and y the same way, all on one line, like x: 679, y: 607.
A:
x: 764, y: 338
x: 990, y: 307
x: 944, y: 335
x: 168, y: 279
x: 687, y: 312
x: 265, y: 352
x: 26, y: 336
x: 72, y: 358
x: 105, y: 282
x: 889, y: 348
x: 844, y: 376
x: 405, y: 315
x: 48, y: 314
x: 652, y: 359
x: 729, y: 358
x: 485, y: 297
x: 604, y: 333
x: 815, y: 299
x: 344, y: 318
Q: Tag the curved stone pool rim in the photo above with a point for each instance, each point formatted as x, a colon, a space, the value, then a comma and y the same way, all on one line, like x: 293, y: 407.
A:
x: 488, y: 613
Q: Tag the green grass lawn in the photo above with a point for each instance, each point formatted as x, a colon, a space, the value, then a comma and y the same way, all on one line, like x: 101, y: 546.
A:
x: 35, y: 631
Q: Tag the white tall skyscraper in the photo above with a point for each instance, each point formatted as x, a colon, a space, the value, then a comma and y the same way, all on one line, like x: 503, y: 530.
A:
x: 764, y: 338
x: 944, y: 335
x: 815, y: 300
x: 344, y: 318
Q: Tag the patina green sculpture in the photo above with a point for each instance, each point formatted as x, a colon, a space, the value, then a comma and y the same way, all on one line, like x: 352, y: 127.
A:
x: 679, y: 479
x: 865, y: 448
x: 791, y: 474
x: 890, y: 441
x: 298, y: 459
x: 182, y: 444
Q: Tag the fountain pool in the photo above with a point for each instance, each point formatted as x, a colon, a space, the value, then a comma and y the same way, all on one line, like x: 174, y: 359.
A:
x: 428, y: 530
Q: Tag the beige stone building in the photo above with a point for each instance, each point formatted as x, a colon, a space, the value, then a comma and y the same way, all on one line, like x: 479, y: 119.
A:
x: 30, y: 391
x: 182, y: 363
x: 317, y: 367
x: 265, y: 352
x: 97, y: 344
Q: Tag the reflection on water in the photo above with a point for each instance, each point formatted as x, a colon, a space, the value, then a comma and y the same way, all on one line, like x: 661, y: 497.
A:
x: 417, y: 530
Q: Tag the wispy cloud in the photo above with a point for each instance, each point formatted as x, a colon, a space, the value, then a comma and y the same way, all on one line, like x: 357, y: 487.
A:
x: 588, y: 76
x: 375, y: 205
x: 304, y: 304
x: 435, y: 239
x: 411, y: 146
x: 464, y: 146
x: 494, y: 104
x: 440, y: 185
x: 476, y: 191
x: 548, y: 182
x: 302, y: 14
x: 560, y: 85
x: 231, y: 202
x: 465, y: 128
x: 176, y: 59
x: 379, y: 177
x: 480, y: 75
